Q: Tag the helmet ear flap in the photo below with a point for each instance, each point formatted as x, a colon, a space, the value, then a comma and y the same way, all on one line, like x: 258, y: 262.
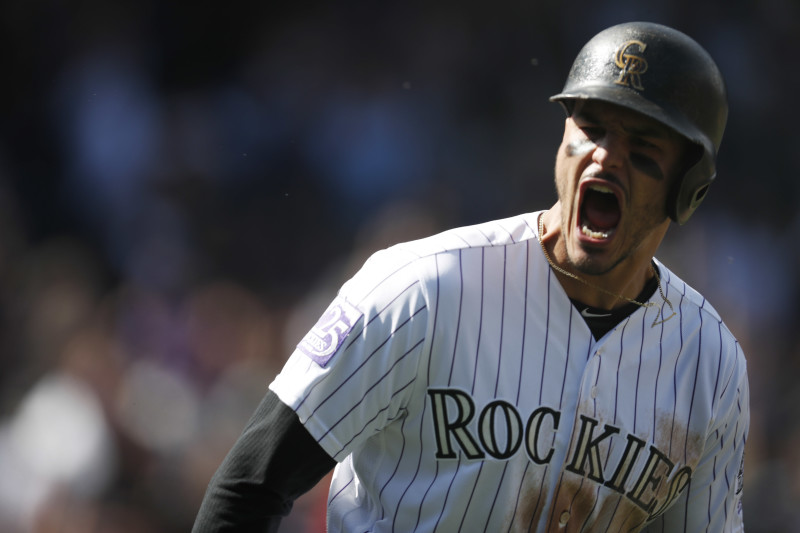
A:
x: 681, y: 210
x: 692, y: 185
x: 699, y: 194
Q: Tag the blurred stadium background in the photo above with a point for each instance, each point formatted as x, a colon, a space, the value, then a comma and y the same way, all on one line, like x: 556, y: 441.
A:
x: 183, y: 186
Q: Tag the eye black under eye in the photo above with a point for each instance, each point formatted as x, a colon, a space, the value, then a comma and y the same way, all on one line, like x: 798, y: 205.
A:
x: 646, y: 165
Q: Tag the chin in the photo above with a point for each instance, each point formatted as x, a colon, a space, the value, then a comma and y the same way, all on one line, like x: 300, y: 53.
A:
x: 594, y: 263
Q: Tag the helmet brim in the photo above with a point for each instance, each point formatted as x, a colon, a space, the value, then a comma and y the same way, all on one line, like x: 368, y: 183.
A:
x: 633, y: 100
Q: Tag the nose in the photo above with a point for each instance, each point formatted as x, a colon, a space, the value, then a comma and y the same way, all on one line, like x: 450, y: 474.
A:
x: 609, y: 151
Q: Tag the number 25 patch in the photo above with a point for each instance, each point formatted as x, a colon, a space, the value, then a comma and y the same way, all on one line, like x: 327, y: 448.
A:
x: 330, y: 331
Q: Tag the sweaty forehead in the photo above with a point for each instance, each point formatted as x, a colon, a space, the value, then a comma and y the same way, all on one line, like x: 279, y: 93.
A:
x: 632, y: 122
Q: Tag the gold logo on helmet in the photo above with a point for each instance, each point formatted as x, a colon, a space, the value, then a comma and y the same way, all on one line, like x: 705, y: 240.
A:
x: 632, y: 66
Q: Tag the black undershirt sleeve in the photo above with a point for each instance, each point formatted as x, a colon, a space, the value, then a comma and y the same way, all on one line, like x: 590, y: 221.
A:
x: 273, y: 462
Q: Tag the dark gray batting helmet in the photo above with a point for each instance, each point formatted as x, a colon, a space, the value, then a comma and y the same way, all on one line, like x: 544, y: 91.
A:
x: 663, y: 74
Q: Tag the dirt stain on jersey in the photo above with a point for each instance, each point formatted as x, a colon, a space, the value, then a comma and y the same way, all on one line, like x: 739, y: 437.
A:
x: 676, y: 441
x: 585, y: 505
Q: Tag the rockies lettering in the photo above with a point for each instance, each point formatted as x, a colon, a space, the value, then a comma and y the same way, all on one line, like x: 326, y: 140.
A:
x: 500, y: 435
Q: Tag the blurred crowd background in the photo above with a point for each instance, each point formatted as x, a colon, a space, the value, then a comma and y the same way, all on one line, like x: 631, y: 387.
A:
x: 184, y: 186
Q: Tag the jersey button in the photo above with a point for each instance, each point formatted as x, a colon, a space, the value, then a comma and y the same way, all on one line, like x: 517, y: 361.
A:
x: 564, y: 518
x: 593, y: 392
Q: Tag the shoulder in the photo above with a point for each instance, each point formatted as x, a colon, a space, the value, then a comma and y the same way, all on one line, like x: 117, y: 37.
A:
x: 691, y: 301
x: 496, y: 233
x: 701, y: 327
x: 425, y: 262
x: 699, y: 323
x: 501, y: 232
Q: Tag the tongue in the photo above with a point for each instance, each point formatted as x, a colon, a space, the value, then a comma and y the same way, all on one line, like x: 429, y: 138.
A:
x: 600, y: 211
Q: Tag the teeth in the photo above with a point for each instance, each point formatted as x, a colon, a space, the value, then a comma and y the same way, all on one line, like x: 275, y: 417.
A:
x: 601, y: 188
x: 593, y: 234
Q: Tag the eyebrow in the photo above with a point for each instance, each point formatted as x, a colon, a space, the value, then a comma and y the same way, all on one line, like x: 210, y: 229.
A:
x: 655, y: 131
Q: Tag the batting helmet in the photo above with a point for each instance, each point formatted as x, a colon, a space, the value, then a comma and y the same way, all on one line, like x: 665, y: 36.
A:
x: 663, y: 74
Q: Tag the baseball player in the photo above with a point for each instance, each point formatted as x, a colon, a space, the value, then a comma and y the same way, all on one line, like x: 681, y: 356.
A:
x: 539, y: 373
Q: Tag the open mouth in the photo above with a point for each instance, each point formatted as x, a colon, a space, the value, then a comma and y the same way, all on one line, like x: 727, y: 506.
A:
x: 600, y: 212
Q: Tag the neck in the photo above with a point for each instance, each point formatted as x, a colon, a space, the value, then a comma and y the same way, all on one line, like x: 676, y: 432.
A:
x: 611, y: 290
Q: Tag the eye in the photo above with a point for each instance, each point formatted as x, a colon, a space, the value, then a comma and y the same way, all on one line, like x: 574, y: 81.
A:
x: 640, y: 142
x: 593, y: 132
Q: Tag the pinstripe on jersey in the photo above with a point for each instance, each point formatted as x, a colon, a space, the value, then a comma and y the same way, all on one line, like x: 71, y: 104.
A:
x: 470, y: 395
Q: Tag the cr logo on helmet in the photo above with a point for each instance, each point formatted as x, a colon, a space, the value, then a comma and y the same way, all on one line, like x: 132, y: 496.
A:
x: 632, y: 65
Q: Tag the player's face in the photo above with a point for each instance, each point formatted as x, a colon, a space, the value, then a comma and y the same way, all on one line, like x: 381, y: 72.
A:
x: 613, y: 173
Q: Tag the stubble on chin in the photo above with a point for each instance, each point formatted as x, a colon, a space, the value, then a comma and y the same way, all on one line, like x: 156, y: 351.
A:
x: 592, y: 265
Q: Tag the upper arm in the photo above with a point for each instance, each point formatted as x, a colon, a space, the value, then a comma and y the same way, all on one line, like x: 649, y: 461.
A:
x: 274, y: 461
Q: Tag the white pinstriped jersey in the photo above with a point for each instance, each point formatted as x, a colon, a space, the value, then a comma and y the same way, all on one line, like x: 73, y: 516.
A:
x: 460, y: 390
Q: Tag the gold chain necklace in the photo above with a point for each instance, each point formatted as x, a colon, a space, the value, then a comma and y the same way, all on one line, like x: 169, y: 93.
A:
x: 609, y: 293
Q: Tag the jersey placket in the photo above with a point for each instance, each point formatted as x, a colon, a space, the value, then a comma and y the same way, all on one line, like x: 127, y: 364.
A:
x: 585, y: 463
